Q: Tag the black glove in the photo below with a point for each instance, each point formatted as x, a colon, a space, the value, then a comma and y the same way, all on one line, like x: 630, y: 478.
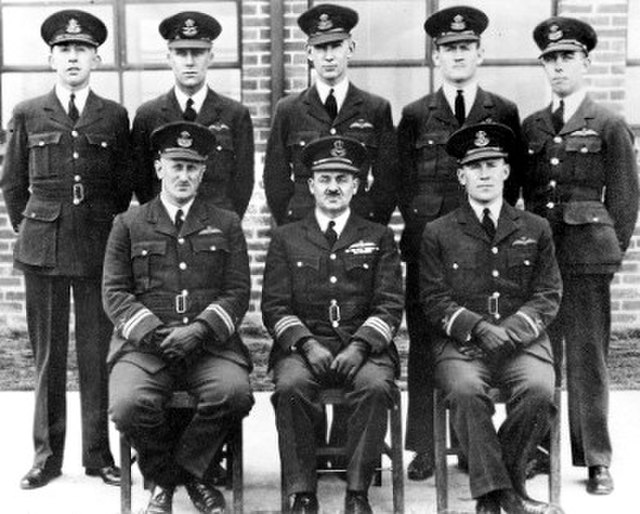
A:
x: 183, y: 340
x: 350, y: 359
x: 317, y: 356
x: 493, y: 340
x: 519, y: 330
x: 153, y: 339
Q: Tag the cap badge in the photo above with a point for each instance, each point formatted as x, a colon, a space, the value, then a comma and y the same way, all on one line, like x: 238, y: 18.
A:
x: 481, y: 139
x: 554, y: 33
x: 73, y: 27
x: 185, y: 140
x: 190, y: 29
x: 458, y: 23
x: 338, y: 149
x: 324, y: 22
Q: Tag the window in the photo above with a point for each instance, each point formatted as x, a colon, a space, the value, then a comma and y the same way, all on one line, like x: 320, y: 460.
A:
x: 632, y: 78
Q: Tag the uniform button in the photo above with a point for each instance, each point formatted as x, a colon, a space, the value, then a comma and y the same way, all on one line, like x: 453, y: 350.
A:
x: 74, y: 133
x: 333, y: 279
x: 496, y: 294
x: 144, y: 252
x: 332, y: 131
x: 527, y: 262
x: 554, y: 161
x: 290, y: 213
x: 552, y: 183
x: 76, y: 155
x: 103, y: 144
x: 181, y: 240
x: 415, y: 210
x: 596, y: 219
x: 213, y: 248
x: 33, y: 214
x: 335, y: 324
x: 584, y: 149
x: 557, y: 139
x: 455, y: 265
x: 299, y: 264
x: 494, y: 250
x: 77, y: 178
x: 185, y: 320
x: 531, y: 152
x: 218, y: 148
x: 76, y: 201
x: 301, y: 143
x: 495, y: 273
x: 41, y: 143
x: 333, y: 256
x: 551, y: 205
x: 497, y: 315
x: 430, y: 141
x: 182, y: 266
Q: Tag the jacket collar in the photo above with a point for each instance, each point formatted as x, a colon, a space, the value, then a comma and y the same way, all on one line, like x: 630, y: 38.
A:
x: 197, y: 219
x: 91, y: 113
x: 350, y: 234
x: 349, y: 109
x: 507, y: 223
x: 482, y: 107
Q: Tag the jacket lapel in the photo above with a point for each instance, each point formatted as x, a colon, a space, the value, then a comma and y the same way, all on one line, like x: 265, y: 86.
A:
x: 92, y: 111
x: 470, y: 224
x: 350, y: 234
x: 196, y: 219
x: 55, y: 111
x: 351, y: 106
x: 580, y: 118
x: 441, y: 109
x: 482, y: 108
x: 170, y: 107
x: 507, y: 224
x: 209, y: 114
x: 543, y: 121
x: 159, y: 217
x: 314, y: 234
x: 315, y: 107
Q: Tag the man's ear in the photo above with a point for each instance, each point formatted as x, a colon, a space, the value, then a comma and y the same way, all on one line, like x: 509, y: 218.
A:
x: 356, y: 184
x: 507, y: 170
x: 96, y: 61
x: 308, y: 48
x: 310, y: 184
x: 462, y: 178
x: 158, y: 167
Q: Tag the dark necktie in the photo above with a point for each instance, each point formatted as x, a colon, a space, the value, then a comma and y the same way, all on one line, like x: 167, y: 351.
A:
x: 331, y: 234
x: 487, y: 223
x: 331, y: 105
x: 557, y: 117
x: 190, y: 113
x: 459, y: 107
x: 179, y: 221
x: 73, y: 110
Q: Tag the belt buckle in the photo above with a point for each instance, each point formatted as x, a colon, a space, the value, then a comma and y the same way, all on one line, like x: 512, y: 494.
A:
x: 334, y: 313
x: 493, y: 305
x: 181, y: 303
x: 78, y: 193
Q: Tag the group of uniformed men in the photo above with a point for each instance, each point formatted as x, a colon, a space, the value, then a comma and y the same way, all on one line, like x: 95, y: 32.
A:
x: 484, y: 280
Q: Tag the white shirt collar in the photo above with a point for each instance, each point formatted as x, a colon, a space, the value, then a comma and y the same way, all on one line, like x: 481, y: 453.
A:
x: 198, y: 97
x: 469, y: 92
x: 340, y: 222
x: 339, y: 91
x: 571, y: 103
x: 494, y: 209
x: 80, y: 99
x: 173, y: 209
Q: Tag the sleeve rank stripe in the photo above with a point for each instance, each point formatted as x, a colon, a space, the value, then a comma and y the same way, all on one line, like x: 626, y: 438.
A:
x: 134, y: 320
x: 528, y: 319
x: 381, y: 326
x: 453, y: 317
x: 224, y: 315
x: 285, y: 323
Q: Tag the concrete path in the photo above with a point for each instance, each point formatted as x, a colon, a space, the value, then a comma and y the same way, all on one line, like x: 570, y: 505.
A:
x: 75, y: 493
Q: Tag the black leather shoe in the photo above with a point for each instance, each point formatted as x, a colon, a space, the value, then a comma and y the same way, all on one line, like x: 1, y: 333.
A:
x: 488, y: 504
x: 38, y: 477
x: 110, y: 474
x: 305, y: 503
x: 160, y: 501
x: 420, y: 467
x: 600, y: 480
x: 205, y: 497
x: 512, y: 503
x: 356, y: 502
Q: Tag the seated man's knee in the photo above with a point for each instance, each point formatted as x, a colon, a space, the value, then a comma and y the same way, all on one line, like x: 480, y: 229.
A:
x: 135, y: 410
x: 377, y: 387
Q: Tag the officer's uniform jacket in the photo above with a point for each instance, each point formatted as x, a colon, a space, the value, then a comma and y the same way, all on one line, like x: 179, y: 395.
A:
x: 584, y: 180
x: 63, y: 184
x: 429, y: 186
x: 465, y: 277
x: 350, y: 291
x: 228, y: 179
x: 302, y: 118
x: 156, y: 276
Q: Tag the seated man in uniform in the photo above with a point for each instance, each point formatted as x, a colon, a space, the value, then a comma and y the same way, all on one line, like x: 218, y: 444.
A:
x: 332, y: 300
x: 489, y: 279
x: 176, y: 286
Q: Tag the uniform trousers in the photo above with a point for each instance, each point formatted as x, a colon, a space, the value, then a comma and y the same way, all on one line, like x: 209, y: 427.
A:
x: 136, y: 404
x: 419, y: 432
x: 300, y: 421
x: 584, y: 323
x: 497, y: 460
x: 47, y: 305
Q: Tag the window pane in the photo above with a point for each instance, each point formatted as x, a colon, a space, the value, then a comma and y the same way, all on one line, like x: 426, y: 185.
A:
x: 145, y: 45
x: 140, y: 86
x: 22, y: 86
x: 398, y: 85
x: 632, y: 103
x: 633, y: 41
x: 388, y: 31
x: 510, y: 31
x: 32, y: 50
x: 524, y: 85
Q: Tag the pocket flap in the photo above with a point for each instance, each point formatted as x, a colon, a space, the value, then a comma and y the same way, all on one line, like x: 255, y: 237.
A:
x: 302, y: 138
x: 42, y: 211
x: 306, y: 261
x: 431, y: 139
x: 210, y: 243
x: 224, y: 141
x: 101, y: 140
x: 584, y: 213
x: 146, y: 248
x: 364, y: 262
x: 44, y: 138
x: 535, y: 147
x: 426, y: 206
x: 586, y: 144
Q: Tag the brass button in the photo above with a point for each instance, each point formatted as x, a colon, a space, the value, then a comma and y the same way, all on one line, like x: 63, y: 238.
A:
x: 333, y: 256
x: 554, y: 161
x: 76, y: 155
x: 495, y: 273
x: 494, y: 250
x: 182, y: 266
x: 557, y: 139
x: 74, y: 133
x: 185, y: 320
x: 332, y: 131
x: 333, y: 279
x: 77, y: 178
x: 181, y: 240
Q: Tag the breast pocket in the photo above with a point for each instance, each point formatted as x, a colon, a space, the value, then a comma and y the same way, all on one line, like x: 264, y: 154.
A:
x: 586, y: 156
x: 433, y: 159
x: 462, y: 272
x: 296, y: 142
x: 103, y: 149
x: 223, y: 156
x: 360, y: 267
x: 521, y: 263
x: 146, y: 256
x: 42, y: 149
x: 210, y: 254
x: 305, y: 270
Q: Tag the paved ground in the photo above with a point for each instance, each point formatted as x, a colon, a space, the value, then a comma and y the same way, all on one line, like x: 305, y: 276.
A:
x: 74, y: 493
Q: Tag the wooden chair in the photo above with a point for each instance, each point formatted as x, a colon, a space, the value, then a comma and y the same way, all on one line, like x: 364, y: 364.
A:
x: 231, y: 453
x: 442, y: 448
x: 336, y: 396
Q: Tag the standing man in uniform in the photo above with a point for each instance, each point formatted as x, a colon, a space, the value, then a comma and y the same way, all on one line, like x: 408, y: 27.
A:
x: 429, y: 188
x: 333, y: 105
x: 490, y: 284
x: 176, y: 285
x: 228, y: 181
x: 332, y: 301
x: 66, y: 175
x: 582, y: 176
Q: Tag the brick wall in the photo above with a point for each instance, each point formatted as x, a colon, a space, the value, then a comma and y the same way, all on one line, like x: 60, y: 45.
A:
x: 606, y: 82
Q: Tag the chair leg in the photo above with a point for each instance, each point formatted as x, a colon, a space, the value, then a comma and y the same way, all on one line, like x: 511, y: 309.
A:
x: 125, y: 480
x: 440, y: 450
x: 377, y: 476
x: 554, y: 450
x: 397, y: 467
x: 284, y: 497
x: 235, y: 462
